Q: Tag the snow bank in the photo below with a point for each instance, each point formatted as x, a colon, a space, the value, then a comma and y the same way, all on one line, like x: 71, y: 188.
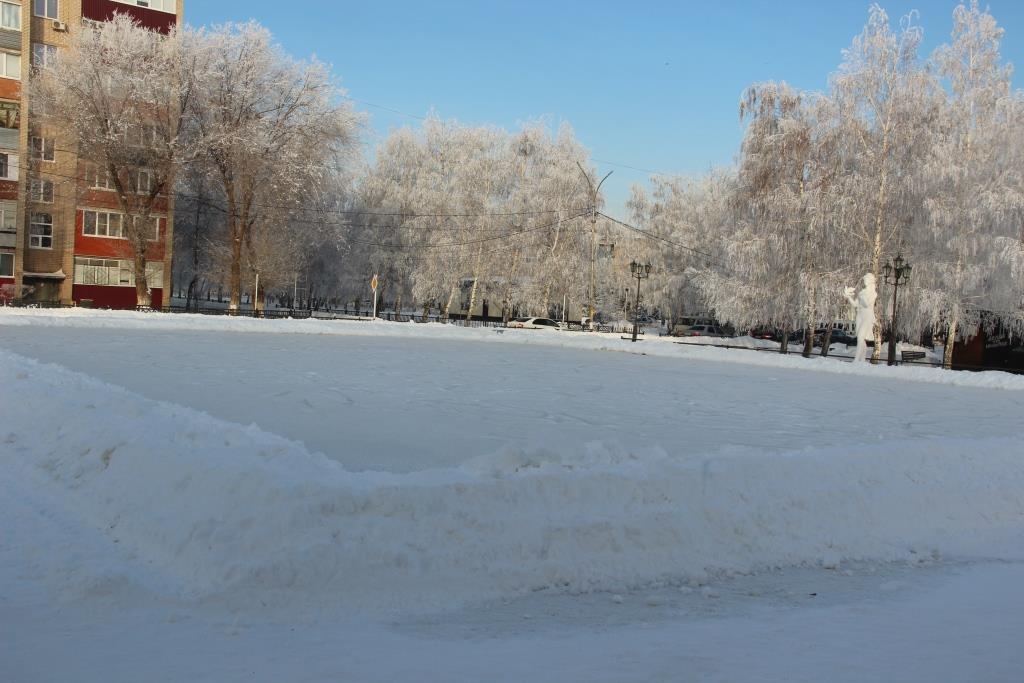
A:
x: 650, y: 345
x: 214, y: 509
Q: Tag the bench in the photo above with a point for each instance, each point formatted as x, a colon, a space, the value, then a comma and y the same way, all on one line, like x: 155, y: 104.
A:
x: 911, y: 356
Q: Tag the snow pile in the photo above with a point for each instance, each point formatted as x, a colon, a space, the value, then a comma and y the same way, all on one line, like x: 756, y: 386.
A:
x: 209, y: 508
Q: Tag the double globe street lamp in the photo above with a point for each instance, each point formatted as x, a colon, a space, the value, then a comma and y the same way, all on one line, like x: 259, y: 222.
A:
x: 640, y: 271
x: 896, y: 273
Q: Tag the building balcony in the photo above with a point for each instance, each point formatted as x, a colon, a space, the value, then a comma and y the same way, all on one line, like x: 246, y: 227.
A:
x: 104, y: 10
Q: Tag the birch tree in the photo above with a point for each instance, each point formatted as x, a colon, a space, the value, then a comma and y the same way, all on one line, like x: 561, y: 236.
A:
x: 883, y: 93
x: 970, y: 191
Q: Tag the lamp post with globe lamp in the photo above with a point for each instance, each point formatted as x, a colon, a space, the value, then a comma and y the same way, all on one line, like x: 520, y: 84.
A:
x: 640, y: 271
x: 896, y: 273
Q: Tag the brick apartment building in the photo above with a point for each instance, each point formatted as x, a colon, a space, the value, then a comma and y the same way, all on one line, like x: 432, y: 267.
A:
x: 59, y: 219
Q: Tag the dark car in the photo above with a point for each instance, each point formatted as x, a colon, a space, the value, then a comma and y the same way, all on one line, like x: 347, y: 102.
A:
x: 765, y: 333
x: 842, y: 337
x: 798, y: 337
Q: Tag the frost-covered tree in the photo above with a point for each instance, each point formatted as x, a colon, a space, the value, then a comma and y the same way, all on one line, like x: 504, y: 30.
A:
x: 971, y: 195
x: 460, y: 214
x: 120, y: 90
x: 885, y: 98
x: 268, y: 128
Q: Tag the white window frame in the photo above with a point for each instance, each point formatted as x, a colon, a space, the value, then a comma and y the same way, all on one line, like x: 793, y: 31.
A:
x: 8, y: 107
x: 9, y: 166
x: 43, y: 8
x: 100, y: 179
x: 40, y: 232
x: 103, y: 272
x: 102, y: 222
x: 39, y: 146
x: 42, y: 53
x: 7, y: 6
x: 142, y: 135
x: 10, y: 66
x: 155, y: 236
x: 8, y: 216
x: 8, y: 257
x: 107, y: 272
x: 41, y: 191
x: 158, y: 5
x: 143, y: 187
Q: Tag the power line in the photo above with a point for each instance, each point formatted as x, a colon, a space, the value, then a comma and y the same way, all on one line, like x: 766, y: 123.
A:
x: 381, y: 106
x: 632, y: 168
x: 650, y: 235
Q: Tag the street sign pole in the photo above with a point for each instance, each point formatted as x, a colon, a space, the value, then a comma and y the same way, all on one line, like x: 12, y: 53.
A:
x: 373, y: 286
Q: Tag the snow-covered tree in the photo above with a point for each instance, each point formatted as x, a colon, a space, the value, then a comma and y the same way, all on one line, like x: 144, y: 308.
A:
x: 120, y: 91
x: 268, y: 129
x: 971, y: 194
x: 885, y: 98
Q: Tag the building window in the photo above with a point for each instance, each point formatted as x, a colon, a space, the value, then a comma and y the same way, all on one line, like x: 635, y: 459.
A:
x: 142, y: 135
x: 143, y: 182
x: 99, y: 179
x: 45, y: 8
x: 10, y: 16
x: 43, y: 54
x: 10, y: 115
x: 10, y: 65
x: 152, y: 226
x: 8, y: 166
x: 162, y: 5
x: 40, y: 231
x: 114, y: 272
x: 42, y: 148
x: 103, y: 224
x: 98, y: 271
x: 41, y: 191
x: 8, y: 216
x: 6, y: 264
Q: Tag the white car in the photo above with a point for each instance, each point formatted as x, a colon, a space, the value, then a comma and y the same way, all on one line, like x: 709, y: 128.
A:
x: 535, y: 324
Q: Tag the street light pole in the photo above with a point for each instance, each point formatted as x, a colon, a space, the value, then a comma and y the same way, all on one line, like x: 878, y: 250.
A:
x: 639, y: 271
x: 593, y: 237
x: 896, y: 273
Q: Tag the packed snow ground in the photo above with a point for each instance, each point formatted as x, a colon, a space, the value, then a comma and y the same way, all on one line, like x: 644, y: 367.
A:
x: 313, y: 500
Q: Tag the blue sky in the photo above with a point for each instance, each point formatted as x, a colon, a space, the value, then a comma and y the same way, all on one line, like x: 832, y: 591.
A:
x: 647, y: 86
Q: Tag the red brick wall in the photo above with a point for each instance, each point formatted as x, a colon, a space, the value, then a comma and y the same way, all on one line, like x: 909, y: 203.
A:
x: 107, y: 247
x: 113, y: 297
x: 10, y: 89
x: 104, y: 10
x: 9, y: 189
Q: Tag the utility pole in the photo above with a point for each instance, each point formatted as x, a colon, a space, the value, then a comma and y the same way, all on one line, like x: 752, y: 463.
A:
x: 593, y: 237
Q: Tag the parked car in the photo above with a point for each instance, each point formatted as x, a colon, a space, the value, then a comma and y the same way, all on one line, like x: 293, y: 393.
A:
x: 702, y: 331
x: 680, y: 329
x: 535, y: 324
x: 842, y: 337
x: 769, y: 333
x: 798, y: 337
